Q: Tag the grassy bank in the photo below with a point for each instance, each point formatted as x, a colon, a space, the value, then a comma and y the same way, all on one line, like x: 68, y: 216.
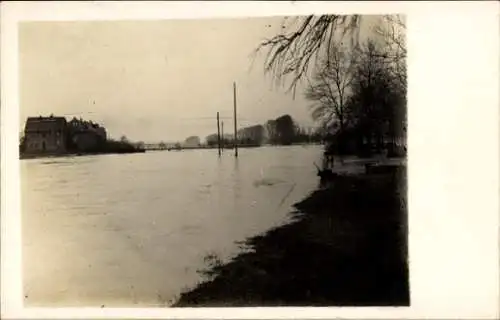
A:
x: 346, y: 247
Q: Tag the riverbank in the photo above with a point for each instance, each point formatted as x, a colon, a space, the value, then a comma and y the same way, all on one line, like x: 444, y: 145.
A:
x: 346, y: 247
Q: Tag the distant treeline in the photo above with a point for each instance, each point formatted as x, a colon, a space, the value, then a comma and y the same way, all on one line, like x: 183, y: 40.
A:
x: 280, y: 131
x: 121, y: 146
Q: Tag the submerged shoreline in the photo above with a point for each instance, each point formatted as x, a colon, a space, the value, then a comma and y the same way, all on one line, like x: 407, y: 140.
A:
x: 347, y: 246
x: 74, y: 154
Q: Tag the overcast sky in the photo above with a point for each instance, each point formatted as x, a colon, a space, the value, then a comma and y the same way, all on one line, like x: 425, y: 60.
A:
x: 151, y: 80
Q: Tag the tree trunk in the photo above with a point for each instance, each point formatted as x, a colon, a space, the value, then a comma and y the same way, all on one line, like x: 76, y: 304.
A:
x: 341, y: 140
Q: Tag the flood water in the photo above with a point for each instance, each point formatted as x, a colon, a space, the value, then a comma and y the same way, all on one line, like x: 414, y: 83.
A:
x: 118, y: 230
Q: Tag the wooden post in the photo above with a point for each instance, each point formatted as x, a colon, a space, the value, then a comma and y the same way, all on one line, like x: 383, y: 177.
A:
x: 218, y: 133
x: 235, y: 125
x: 222, y: 136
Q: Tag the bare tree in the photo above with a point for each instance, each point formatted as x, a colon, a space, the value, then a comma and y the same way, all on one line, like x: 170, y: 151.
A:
x: 392, y: 28
x: 356, y: 88
x: 378, y: 101
x: 329, y: 89
x: 393, y: 31
x: 303, y: 39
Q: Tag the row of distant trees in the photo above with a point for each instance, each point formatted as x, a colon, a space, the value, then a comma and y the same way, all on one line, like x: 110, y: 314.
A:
x: 283, y: 130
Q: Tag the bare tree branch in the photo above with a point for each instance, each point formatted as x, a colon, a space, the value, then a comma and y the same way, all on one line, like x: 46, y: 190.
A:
x: 393, y: 32
x: 329, y: 89
x: 290, y: 53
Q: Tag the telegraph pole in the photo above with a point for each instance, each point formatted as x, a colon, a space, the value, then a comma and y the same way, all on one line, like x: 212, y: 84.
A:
x: 235, y: 125
x: 218, y: 133
x: 222, y: 135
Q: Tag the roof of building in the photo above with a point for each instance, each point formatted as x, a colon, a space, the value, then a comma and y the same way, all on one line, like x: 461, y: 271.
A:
x: 44, y: 123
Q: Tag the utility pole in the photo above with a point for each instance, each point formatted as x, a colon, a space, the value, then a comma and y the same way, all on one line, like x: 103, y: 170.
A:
x: 222, y: 135
x: 235, y: 125
x: 218, y: 133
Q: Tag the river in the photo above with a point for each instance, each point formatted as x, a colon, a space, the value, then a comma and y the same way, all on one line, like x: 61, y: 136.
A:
x: 123, y: 230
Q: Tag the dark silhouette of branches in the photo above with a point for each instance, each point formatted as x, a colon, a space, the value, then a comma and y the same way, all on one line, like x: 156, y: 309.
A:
x: 291, y: 52
x: 393, y: 31
x: 329, y: 89
x: 378, y: 101
x: 285, y: 127
x: 392, y: 28
x: 358, y: 91
x: 303, y: 40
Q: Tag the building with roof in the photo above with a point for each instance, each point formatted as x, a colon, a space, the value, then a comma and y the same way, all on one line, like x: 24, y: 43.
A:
x: 45, y: 135
x: 55, y: 135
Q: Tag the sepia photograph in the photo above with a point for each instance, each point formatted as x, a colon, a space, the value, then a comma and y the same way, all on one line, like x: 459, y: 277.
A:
x: 249, y: 160
x: 245, y: 162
